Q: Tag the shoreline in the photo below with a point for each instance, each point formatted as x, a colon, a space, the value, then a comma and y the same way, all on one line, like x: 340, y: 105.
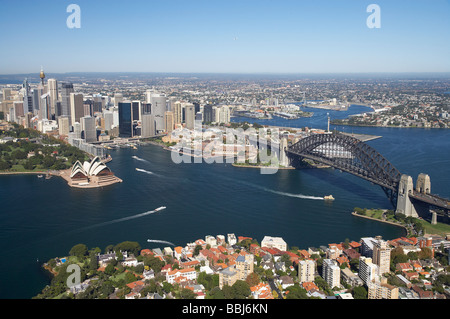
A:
x: 259, y: 166
x: 389, y: 126
x: 382, y: 221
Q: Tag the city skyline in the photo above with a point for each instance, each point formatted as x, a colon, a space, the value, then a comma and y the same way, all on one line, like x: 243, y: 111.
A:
x: 231, y: 37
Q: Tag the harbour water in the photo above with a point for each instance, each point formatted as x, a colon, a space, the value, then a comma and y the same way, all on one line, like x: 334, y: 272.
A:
x: 41, y: 219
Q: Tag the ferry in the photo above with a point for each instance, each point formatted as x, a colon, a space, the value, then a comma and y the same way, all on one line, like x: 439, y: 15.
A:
x: 328, y: 197
x: 160, y: 208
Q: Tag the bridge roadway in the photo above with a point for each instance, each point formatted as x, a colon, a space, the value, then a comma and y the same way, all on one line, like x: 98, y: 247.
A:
x: 431, y: 200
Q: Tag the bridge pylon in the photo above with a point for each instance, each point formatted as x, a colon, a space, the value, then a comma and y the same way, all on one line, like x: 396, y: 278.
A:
x: 404, y: 204
x: 413, y: 207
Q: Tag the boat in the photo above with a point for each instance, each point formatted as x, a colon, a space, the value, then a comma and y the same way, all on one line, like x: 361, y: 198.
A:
x: 160, y: 208
x: 328, y: 197
x: 40, y: 176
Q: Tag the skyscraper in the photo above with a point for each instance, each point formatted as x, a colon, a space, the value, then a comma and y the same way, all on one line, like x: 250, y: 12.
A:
x: 158, y: 109
x: 66, y: 89
x: 76, y: 107
x: 168, y: 121
x: 125, y: 119
x: 208, y: 113
x: 63, y: 125
x: 177, y: 113
x: 53, y: 91
x: 136, y: 110
x: 89, y: 128
x: 148, y: 126
x: 190, y: 116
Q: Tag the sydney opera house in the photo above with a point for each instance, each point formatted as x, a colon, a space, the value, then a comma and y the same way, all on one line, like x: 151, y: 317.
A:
x: 90, y: 174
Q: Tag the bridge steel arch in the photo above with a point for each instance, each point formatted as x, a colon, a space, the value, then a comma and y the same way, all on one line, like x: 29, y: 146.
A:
x: 351, y: 155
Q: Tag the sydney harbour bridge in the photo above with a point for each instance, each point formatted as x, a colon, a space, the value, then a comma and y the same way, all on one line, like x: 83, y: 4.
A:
x: 353, y: 156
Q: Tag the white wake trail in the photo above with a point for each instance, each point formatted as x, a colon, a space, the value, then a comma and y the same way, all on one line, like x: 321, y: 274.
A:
x: 283, y: 193
x: 160, y: 241
x: 125, y: 218
x: 144, y: 171
x: 139, y: 159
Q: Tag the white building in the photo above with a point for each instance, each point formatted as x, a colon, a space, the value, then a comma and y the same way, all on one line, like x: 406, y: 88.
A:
x: 331, y: 273
x: 231, y: 239
x: 368, y: 271
x: 274, y: 242
x: 210, y: 240
x: 187, y: 274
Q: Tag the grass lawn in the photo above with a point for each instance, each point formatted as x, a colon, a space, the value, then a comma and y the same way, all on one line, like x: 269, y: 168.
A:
x: 374, y: 213
x: 438, y: 229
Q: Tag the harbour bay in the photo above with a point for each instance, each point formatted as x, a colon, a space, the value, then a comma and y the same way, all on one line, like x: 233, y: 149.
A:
x: 204, y: 199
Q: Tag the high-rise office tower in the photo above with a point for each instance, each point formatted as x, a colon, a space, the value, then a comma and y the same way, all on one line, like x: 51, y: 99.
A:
x: 76, y: 107
x: 77, y: 130
x: 125, y: 119
x: 177, y: 112
x: 158, y: 109
x: 45, y: 110
x: 331, y: 273
x: 66, y: 89
x: 168, y: 121
x: 118, y: 97
x: 88, y: 107
x: 63, y: 125
x: 306, y: 271
x: 136, y: 110
x: 148, y: 126
x: 224, y: 115
x: 53, y: 91
x: 208, y: 113
x: 37, y: 93
x: 190, y: 116
x: 382, y: 255
x: 89, y: 128
x: 197, y: 107
x: 109, y: 120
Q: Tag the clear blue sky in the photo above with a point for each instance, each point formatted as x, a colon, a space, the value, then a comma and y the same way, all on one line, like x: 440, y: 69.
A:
x: 245, y: 36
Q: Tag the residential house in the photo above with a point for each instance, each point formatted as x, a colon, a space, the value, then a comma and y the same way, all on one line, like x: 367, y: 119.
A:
x: 286, y: 281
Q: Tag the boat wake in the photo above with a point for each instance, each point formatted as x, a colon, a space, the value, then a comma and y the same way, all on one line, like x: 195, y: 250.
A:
x: 293, y: 195
x: 125, y: 218
x: 160, y: 241
x: 147, y: 172
x: 284, y: 193
x: 140, y: 159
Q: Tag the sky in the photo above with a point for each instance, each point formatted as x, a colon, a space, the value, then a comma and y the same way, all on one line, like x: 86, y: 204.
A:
x: 217, y: 36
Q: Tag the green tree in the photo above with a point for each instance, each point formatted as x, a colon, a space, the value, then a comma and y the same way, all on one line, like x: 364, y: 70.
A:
x: 241, y: 289
x: 79, y: 250
x: 197, y: 250
x: 359, y: 292
x: 296, y: 292
x: 187, y: 294
x: 252, y: 279
x: 109, y: 269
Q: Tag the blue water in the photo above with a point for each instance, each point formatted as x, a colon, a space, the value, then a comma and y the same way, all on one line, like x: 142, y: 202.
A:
x: 42, y: 219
